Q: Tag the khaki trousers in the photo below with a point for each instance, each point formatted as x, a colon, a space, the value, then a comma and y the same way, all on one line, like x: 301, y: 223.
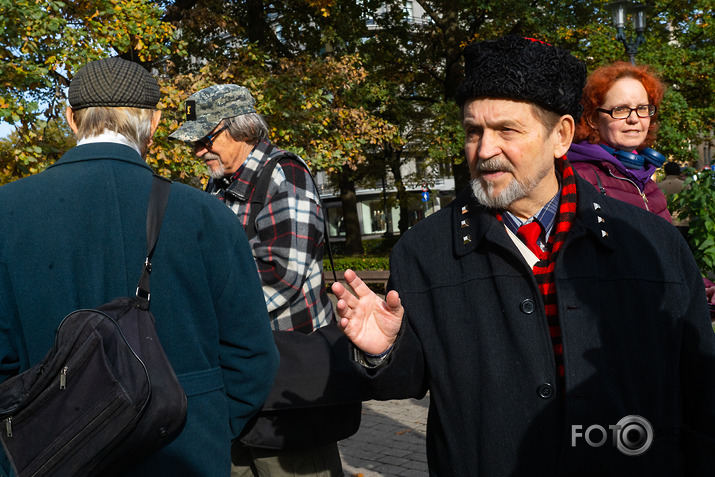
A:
x: 318, y: 462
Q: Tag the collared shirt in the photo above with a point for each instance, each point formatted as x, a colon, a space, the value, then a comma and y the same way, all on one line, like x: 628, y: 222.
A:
x: 289, y: 240
x: 109, y: 136
x: 546, y: 216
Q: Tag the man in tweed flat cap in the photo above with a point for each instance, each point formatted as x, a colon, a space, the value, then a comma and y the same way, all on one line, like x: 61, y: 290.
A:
x: 74, y: 236
x: 273, y: 195
x: 558, y: 331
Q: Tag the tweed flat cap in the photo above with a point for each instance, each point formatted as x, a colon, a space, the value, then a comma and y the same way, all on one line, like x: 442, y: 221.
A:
x: 523, y: 69
x: 205, y: 109
x: 114, y: 83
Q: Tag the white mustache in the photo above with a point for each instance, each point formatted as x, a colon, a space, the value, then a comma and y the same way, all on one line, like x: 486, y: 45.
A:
x: 211, y: 156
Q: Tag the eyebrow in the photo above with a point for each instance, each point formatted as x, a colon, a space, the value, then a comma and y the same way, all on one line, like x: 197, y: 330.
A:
x: 625, y: 105
x: 500, y: 123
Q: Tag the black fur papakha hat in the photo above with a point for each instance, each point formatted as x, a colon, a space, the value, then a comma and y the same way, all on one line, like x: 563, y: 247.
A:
x: 114, y: 83
x: 523, y: 69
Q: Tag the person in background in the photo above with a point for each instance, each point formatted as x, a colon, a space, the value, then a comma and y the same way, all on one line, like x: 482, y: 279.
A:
x: 297, y: 431
x: 611, y: 148
x: 611, y: 144
x: 672, y: 183
x: 74, y: 236
x: 537, y: 310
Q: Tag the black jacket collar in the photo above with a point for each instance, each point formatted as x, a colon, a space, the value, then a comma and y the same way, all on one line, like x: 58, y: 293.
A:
x: 472, y: 222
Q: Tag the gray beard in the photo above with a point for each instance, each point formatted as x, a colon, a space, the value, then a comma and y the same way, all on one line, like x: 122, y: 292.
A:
x: 220, y: 171
x: 485, y: 195
x: 514, y: 191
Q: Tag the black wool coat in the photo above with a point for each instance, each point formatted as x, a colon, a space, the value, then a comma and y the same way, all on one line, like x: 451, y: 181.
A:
x: 636, y: 333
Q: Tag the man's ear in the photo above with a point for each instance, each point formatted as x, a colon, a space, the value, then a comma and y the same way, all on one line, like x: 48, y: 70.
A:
x: 155, y: 120
x: 563, y: 135
x: 69, y: 114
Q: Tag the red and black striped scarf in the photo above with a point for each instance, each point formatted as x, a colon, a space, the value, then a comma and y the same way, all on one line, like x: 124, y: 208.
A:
x: 544, y: 268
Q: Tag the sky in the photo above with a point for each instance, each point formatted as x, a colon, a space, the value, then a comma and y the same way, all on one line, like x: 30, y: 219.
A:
x: 5, y: 129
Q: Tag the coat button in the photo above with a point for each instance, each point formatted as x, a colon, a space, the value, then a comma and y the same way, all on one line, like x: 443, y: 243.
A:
x: 527, y: 306
x: 545, y: 391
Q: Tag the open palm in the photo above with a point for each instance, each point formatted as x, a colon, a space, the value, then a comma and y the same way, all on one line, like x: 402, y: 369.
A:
x: 370, y: 322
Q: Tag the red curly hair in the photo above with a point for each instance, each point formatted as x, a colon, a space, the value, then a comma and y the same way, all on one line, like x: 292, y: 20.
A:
x: 598, y: 84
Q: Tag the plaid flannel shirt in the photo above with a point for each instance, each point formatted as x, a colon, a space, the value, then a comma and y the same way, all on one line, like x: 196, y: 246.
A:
x: 289, y: 240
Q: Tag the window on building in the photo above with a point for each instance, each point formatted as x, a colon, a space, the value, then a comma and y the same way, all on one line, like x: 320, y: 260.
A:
x: 373, y: 217
x: 336, y: 225
x: 409, y: 11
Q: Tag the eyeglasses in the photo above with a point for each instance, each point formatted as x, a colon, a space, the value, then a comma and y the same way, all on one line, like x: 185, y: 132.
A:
x: 208, y: 141
x: 623, y: 112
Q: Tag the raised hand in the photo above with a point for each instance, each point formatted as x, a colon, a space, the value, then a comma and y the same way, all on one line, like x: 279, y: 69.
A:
x: 370, y: 322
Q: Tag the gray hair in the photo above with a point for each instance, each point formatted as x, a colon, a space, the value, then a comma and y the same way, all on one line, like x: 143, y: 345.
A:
x: 548, y: 119
x: 250, y: 127
x: 132, y: 123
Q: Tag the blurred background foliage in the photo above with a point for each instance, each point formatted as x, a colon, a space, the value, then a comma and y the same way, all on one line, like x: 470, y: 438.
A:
x: 355, y: 87
x: 695, y: 204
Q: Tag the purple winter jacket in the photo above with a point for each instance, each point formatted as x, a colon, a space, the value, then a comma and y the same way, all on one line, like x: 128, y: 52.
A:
x: 636, y: 187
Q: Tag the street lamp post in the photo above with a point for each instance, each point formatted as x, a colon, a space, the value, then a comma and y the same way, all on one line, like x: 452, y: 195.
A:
x: 620, y: 10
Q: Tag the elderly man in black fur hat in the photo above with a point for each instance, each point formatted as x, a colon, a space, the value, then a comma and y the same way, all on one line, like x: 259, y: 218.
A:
x: 558, y: 331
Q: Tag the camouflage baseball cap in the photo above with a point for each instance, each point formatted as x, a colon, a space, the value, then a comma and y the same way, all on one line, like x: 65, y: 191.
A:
x: 205, y: 109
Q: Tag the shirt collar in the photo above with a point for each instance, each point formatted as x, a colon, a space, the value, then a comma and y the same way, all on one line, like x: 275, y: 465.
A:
x: 546, y: 216
x: 109, y: 136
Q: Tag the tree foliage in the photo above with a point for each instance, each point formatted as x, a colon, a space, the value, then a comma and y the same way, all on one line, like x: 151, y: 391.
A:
x: 49, y: 140
x: 314, y: 107
x: 695, y: 204
x: 342, y: 83
x: 44, y: 42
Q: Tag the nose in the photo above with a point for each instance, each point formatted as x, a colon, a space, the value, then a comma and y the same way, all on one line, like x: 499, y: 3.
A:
x: 488, y: 146
x: 199, y: 150
x: 632, y: 118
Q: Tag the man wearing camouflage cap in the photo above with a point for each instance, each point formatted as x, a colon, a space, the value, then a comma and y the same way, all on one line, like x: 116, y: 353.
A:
x: 74, y: 236
x: 285, y: 226
x: 580, y: 346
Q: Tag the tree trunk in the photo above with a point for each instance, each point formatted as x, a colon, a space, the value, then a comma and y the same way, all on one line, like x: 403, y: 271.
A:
x: 353, y: 235
x: 461, y: 176
x: 403, y: 197
x: 454, y: 75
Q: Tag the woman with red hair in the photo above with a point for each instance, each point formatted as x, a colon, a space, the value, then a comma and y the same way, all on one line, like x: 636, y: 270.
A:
x: 610, y: 149
x: 612, y: 139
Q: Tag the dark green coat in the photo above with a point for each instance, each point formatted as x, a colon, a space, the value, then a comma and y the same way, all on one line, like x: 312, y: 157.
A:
x: 74, y: 236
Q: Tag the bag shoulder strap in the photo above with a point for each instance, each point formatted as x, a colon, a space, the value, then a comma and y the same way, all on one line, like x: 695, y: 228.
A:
x: 158, y: 199
x: 260, y: 191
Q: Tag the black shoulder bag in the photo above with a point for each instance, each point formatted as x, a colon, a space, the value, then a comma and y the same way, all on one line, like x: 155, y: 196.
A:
x: 316, y: 397
x: 105, y: 396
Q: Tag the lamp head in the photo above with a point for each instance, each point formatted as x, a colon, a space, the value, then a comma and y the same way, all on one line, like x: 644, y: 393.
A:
x: 619, y: 9
x: 638, y: 10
